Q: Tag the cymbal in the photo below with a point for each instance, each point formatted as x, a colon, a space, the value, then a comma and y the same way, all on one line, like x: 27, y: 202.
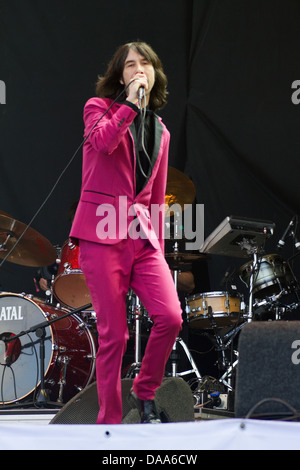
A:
x: 32, y: 250
x: 4, y: 213
x: 180, y: 259
x: 180, y: 190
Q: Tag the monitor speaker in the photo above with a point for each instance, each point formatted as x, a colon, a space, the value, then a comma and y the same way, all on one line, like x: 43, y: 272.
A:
x: 174, y: 401
x: 268, y: 370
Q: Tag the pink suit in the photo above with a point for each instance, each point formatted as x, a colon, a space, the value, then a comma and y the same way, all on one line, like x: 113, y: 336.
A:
x: 115, y: 261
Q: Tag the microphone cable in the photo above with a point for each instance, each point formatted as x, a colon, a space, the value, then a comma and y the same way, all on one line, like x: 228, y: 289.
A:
x: 61, y: 175
x: 141, y: 139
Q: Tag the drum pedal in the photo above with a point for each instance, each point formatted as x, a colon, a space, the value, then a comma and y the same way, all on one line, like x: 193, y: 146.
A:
x: 220, y: 401
x: 210, y: 393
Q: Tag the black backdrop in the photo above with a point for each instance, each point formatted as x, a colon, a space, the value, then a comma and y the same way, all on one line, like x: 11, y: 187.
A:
x: 230, y: 65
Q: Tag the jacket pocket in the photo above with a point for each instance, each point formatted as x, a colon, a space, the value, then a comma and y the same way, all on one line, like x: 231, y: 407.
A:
x: 96, y: 197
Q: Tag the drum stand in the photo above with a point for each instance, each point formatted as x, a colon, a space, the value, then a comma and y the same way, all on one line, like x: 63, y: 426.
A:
x: 228, y: 373
x: 253, y: 250
x: 251, y: 283
x: 40, y: 331
x: 174, y: 355
x: 135, y: 367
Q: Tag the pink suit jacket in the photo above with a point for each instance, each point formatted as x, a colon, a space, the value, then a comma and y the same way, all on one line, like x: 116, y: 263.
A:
x: 108, y: 176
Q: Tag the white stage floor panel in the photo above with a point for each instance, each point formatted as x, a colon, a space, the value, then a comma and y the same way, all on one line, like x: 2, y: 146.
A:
x: 223, y: 434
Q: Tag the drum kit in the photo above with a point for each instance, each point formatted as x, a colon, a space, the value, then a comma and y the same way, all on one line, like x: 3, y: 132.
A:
x: 48, y: 347
x: 270, y: 286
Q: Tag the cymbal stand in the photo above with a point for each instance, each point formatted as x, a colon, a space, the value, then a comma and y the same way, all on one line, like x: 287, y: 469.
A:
x: 251, y: 283
x: 135, y: 367
x: 252, y: 249
x: 174, y: 355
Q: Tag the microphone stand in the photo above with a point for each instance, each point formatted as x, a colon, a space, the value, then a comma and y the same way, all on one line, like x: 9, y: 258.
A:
x: 40, y: 331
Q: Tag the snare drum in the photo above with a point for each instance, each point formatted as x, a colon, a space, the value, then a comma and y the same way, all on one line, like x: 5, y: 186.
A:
x: 70, y: 351
x: 273, y: 276
x: 69, y: 286
x: 225, y: 310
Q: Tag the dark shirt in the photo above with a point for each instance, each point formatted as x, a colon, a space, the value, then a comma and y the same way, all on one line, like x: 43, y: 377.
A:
x: 148, y: 145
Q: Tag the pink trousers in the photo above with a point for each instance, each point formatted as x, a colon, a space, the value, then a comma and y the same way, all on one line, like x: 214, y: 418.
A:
x: 110, y: 270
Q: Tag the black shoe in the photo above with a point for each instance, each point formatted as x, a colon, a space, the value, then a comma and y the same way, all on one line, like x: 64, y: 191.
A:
x: 146, y: 408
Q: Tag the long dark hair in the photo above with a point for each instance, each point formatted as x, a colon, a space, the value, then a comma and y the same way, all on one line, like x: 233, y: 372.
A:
x: 109, y: 85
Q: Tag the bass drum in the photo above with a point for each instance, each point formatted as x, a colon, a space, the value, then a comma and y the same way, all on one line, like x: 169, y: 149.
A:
x: 70, y: 351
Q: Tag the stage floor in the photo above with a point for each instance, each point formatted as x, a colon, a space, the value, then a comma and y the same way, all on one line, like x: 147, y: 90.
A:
x: 44, y: 416
x: 213, y: 430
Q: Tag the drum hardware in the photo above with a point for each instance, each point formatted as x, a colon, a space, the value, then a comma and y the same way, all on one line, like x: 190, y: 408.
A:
x: 208, y: 393
x: 228, y: 374
x: 250, y: 304
x: 270, y: 304
x: 135, y: 367
x: 174, y: 354
x: 64, y: 360
x: 193, y: 370
x: 222, y: 344
x: 49, y: 292
x: 42, y: 399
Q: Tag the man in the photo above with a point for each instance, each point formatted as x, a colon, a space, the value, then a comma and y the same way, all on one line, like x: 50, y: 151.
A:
x: 125, y: 161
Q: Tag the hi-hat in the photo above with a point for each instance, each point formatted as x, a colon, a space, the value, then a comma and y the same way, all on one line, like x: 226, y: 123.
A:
x: 177, y: 260
x: 33, y: 249
x: 180, y: 190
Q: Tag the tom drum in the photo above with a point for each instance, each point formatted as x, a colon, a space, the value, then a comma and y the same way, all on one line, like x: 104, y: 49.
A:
x: 213, y: 309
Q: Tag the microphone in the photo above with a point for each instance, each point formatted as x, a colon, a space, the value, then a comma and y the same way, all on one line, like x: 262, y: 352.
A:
x: 296, y: 242
x: 281, y: 242
x: 10, y: 349
x: 141, y: 93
